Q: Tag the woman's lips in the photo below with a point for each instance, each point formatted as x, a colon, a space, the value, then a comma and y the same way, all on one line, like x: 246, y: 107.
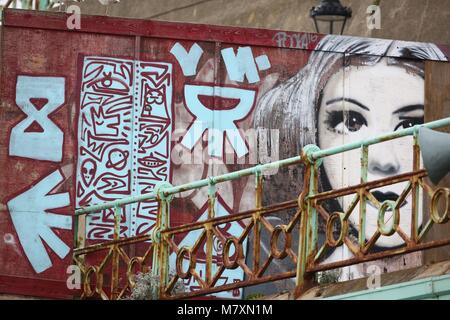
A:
x: 383, y: 196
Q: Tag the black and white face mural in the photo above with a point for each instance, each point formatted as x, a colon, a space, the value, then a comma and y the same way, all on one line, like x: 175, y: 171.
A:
x: 352, y: 89
x: 373, y: 102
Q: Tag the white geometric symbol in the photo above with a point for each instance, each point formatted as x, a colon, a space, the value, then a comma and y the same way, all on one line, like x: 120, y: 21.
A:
x: 225, y: 119
x: 244, y: 64
x: 33, y: 223
x: 188, y: 60
x: 45, y: 144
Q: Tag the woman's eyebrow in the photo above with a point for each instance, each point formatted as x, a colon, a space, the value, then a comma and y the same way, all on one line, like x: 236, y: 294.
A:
x: 409, y: 108
x: 359, y: 104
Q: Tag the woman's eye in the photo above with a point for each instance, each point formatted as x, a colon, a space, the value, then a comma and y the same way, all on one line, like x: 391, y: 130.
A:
x: 354, y: 121
x: 345, y: 122
x: 409, y: 122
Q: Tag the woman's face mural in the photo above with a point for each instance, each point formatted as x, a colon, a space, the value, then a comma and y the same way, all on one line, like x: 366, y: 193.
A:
x: 349, y: 90
x: 359, y: 102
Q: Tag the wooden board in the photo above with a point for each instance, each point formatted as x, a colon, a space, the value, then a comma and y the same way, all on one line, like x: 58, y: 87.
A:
x: 437, y: 106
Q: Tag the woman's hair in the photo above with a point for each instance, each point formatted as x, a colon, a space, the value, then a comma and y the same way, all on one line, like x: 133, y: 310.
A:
x: 292, y: 106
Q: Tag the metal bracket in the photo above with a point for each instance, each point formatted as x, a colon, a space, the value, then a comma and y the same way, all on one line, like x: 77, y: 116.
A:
x: 307, y: 153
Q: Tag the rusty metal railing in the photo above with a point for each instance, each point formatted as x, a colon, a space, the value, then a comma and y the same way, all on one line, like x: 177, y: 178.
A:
x: 308, y: 258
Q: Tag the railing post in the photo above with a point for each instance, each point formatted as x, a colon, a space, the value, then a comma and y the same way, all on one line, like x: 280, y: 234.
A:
x: 362, y: 196
x: 308, y: 222
x: 312, y: 212
x: 115, y: 255
x: 302, y: 234
x: 209, y: 230
x: 415, y: 191
x: 160, y: 264
x: 157, y: 249
x: 79, y: 242
x: 257, y: 221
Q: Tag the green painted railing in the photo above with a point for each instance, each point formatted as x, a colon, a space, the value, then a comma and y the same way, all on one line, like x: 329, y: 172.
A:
x: 308, y: 211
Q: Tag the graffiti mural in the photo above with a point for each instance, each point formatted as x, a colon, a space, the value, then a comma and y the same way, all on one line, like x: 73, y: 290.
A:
x: 97, y: 116
x: 125, y: 122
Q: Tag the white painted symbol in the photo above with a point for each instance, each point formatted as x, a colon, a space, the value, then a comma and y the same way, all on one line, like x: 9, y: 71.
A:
x: 188, y: 60
x: 224, y: 125
x: 33, y: 223
x: 244, y: 64
x: 46, y: 143
x: 262, y: 62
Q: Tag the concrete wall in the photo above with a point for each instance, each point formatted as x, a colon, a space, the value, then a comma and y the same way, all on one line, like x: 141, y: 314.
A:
x: 415, y: 20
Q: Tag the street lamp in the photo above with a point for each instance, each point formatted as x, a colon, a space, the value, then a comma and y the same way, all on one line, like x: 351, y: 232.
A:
x: 329, y: 16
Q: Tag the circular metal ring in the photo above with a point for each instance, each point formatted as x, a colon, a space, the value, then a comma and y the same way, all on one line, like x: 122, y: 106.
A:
x: 382, y: 227
x: 276, y: 253
x: 301, y: 200
x: 156, y: 235
x: 435, y: 216
x: 179, y: 263
x: 130, y: 272
x: 87, y: 281
x: 238, y: 253
x: 331, y: 241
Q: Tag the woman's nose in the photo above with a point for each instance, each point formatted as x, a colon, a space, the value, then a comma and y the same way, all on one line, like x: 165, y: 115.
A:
x: 383, y: 161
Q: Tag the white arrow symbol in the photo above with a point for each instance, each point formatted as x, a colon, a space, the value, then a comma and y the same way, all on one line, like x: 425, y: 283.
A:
x: 33, y: 223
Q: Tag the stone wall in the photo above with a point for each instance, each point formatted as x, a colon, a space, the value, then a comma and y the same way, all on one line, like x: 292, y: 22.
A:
x: 414, y: 20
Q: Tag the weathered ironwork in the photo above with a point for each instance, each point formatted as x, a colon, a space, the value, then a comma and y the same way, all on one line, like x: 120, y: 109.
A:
x: 309, y: 207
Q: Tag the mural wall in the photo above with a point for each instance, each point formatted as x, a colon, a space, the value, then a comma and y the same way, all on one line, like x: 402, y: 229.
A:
x: 124, y: 134
x: 98, y: 115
